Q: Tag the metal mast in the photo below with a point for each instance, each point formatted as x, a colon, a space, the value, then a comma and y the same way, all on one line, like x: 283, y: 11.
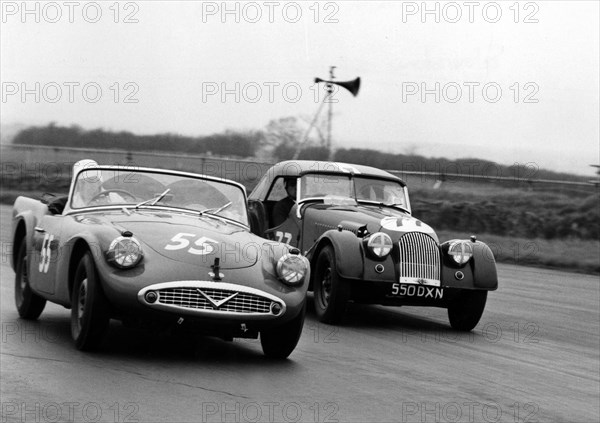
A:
x: 330, y: 101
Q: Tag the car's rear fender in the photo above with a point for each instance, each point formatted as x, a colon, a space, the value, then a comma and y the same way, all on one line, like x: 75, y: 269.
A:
x: 26, y: 213
x: 19, y: 237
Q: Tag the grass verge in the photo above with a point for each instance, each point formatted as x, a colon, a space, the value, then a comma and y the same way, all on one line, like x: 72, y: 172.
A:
x: 573, y: 255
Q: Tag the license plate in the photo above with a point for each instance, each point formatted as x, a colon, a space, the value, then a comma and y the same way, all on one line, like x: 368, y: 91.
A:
x: 421, y: 291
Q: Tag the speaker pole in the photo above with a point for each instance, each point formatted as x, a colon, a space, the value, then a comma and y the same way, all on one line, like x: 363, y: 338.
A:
x: 310, y: 127
x: 330, y: 112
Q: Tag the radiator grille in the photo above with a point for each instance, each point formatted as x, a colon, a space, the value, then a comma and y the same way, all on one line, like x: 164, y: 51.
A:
x: 192, y: 298
x: 419, y: 258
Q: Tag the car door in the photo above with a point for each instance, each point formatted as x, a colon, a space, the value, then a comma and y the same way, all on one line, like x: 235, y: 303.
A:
x: 46, y: 253
x: 288, y: 232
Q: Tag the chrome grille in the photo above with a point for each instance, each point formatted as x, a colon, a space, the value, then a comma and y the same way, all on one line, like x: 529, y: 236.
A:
x: 419, y: 257
x: 192, y: 298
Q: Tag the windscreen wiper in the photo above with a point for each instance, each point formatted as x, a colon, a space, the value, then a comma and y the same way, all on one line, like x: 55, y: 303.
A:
x: 153, y: 200
x: 215, y: 210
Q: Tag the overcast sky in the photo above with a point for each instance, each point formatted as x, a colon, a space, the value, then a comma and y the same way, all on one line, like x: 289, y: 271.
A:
x: 504, y: 81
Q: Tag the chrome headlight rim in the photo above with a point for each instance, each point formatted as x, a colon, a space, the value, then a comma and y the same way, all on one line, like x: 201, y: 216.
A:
x: 380, y: 245
x: 292, y: 269
x: 124, y: 252
x: 460, y: 251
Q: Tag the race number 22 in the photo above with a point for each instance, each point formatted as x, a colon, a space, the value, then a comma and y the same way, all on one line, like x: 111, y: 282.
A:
x: 285, y: 237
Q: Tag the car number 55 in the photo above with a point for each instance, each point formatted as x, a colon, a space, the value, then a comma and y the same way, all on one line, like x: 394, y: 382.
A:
x: 205, y: 245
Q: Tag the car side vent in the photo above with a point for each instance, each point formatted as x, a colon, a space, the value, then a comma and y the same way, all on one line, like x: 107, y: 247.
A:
x: 359, y: 229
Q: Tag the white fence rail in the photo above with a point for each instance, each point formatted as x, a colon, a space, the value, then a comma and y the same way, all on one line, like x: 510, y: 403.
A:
x: 43, y: 162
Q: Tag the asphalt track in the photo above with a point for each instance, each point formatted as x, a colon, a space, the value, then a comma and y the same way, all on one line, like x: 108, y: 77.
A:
x: 535, y: 356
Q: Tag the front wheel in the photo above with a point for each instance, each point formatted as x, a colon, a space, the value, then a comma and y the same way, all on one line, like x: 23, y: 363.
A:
x: 331, y: 293
x: 464, y: 313
x: 29, y: 305
x: 279, y: 342
x: 89, y: 309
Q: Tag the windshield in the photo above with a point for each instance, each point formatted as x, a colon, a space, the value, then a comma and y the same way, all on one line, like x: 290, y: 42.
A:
x: 139, y: 189
x: 340, y: 188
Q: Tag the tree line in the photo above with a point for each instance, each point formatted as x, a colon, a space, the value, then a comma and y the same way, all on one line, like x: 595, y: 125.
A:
x: 228, y: 143
x: 280, y: 139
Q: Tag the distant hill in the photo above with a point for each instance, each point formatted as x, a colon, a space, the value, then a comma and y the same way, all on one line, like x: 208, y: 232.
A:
x: 9, y: 131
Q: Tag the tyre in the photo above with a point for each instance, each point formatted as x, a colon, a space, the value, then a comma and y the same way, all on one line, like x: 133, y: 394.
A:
x: 89, y: 308
x: 29, y: 305
x: 279, y: 342
x: 464, y: 313
x: 331, y: 293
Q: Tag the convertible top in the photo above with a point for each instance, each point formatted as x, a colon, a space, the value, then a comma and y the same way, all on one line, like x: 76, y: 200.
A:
x: 300, y: 167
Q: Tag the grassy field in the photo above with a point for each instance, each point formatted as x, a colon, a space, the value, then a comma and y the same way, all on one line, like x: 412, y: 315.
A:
x: 581, y: 256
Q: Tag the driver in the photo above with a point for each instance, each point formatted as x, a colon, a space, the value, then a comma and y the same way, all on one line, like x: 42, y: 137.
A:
x: 282, y: 207
x: 88, y: 185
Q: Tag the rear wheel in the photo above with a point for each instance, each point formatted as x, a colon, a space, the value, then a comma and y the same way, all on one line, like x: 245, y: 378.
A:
x: 279, y: 342
x: 331, y: 293
x: 29, y: 305
x: 89, y: 309
x: 464, y: 313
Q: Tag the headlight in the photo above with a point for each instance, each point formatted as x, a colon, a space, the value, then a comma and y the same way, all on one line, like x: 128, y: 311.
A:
x: 291, y: 269
x: 380, y: 244
x: 124, y: 252
x: 460, y: 251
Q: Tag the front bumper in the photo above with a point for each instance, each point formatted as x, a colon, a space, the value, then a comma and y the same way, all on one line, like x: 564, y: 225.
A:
x: 126, y: 292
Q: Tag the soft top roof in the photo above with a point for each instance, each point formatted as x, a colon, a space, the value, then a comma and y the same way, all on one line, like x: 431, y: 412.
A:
x: 296, y: 168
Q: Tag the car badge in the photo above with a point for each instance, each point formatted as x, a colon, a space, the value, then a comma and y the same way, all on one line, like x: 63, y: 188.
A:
x: 421, y: 281
x: 216, y: 273
x: 217, y: 303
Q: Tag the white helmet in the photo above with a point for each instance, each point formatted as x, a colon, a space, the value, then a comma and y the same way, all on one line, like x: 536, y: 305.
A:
x: 84, y: 164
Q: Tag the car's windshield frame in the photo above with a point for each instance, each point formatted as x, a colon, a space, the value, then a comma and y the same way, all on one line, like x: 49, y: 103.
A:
x: 352, y: 190
x: 241, y: 214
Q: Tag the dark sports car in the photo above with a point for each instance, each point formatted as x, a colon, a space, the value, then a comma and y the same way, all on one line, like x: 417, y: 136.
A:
x: 354, y: 224
x: 148, y: 245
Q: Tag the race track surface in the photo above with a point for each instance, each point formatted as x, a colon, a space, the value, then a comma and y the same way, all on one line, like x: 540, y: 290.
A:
x: 533, y: 357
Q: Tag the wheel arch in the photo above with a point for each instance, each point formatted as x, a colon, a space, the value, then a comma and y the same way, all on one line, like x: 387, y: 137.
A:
x: 321, y: 243
x: 80, y: 248
x: 348, y: 254
x: 19, y: 237
x: 485, y: 274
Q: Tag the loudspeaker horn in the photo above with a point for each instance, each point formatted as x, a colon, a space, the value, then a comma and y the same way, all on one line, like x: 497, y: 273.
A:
x: 352, y: 86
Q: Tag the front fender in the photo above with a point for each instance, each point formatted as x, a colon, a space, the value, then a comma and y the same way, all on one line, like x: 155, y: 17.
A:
x: 349, y: 256
x: 484, y: 267
x: 478, y: 273
x: 71, y: 252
